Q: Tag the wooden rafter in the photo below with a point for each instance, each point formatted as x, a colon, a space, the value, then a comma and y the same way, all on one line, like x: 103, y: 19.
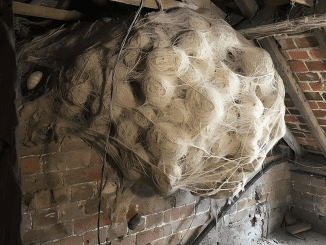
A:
x: 285, y: 27
x: 248, y: 7
x: 295, y: 92
x: 291, y: 140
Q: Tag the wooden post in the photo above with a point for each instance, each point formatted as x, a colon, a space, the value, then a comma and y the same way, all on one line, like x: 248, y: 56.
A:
x: 295, y: 92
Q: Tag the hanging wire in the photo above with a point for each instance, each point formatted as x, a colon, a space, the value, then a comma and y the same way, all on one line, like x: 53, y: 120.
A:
x: 110, y: 113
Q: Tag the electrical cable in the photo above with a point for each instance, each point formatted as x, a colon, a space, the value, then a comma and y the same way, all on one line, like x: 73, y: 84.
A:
x: 110, y: 114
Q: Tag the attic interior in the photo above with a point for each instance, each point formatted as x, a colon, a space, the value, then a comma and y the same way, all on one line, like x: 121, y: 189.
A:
x: 163, y: 122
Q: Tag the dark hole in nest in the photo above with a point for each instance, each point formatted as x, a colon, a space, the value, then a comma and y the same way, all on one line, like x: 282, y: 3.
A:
x: 253, y: 221
x: 137, y: 92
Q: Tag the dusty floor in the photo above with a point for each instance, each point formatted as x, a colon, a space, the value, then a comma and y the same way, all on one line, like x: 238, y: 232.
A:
x: 280, y: 237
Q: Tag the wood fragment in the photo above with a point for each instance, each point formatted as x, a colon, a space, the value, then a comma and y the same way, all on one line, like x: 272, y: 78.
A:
x: 301, y: 227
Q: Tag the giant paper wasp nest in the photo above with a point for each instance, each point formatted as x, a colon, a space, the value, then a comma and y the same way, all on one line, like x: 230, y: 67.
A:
x: 194, y: 104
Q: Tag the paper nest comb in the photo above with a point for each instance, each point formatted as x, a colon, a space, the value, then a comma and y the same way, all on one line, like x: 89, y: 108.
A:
x: 195, y: 105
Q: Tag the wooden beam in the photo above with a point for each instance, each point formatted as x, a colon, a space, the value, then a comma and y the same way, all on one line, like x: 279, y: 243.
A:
x: 153, y: 4
x: 295, y: 92
x: 45, y: 12
x: 247, y: 7
x: 291, y: 140
x: 285, y: 27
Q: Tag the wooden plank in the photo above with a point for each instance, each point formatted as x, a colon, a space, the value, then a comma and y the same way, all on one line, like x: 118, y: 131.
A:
x: 295, y: 229
x: 285, y: 27
x: 153, y: 4
x: 295, y: 91
x: 247, y: 7
x: 291, y: 140
x: 45, y: 12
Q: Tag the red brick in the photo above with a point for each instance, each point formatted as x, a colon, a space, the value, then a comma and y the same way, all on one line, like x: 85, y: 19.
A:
x: 322, y: 105
x: 130, y: 240
x: 53, y: 162
x: 171, y: 240
x: 73, y: 143
x: 154, y: 220
x: 90, y: 237
x: 41, y: 181
x: 297, y: 66
x: 133, y: 210
x: 43, y: 199
x: 319, y: 113
x: 187, y: 211
x: 78, y: 159
x: 30, y: 165
x: 299, y: 55
x: 82, y: 191
x: 183, y: 224
x: 289, y: 118
x: 287, y: 44
x: 308, y: 76
x: 45, y: 218
x: 26, y: 223
x: 74, y: 240
x: 61, y: 195
x: 83, y: 175
x: 95, y: 158
x: 49, y: 148
x: 201, y: 219
x: 322, y: 121
x: 146, y: 237
x: 316, y: 86
x: 306, y: 42
x: 117, y: 230
x: 286, y: 55
x: 71, y: 211
x: 315, y: 65
x: 304, y: 86
x: 317, y: 54
x: 89, y: 223
x: 309, y: 136
x: 311, y: 142
x: 302, y: 141
x: 171, y: 215
x: 323, y: 74
x: 48, y: 233
x: 167, y: 230
x: 324, y: 128
x: 313, y: 105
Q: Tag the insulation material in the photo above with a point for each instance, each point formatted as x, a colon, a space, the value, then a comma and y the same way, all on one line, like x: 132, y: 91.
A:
x: 190, y: 103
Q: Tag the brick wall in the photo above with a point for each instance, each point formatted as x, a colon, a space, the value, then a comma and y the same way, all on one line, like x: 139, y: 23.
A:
x: 259, y: 212
x: 307, y: 61
x: 60, y: 203
x: 309, y: 199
